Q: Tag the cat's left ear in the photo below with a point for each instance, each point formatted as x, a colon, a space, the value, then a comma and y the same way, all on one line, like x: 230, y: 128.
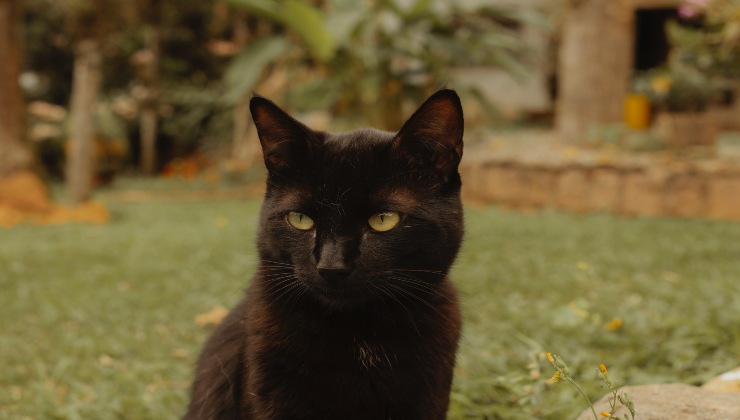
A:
x: 433, y: 135
x: 286, y: 143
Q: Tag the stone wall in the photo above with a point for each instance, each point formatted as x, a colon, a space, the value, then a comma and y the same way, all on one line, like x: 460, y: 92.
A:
x: 639, y: 187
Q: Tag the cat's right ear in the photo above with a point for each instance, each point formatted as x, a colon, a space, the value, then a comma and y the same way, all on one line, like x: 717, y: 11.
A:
x: 286, y: 143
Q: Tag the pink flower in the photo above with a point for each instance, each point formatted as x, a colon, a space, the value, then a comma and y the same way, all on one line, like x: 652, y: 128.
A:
x: 692, y: 8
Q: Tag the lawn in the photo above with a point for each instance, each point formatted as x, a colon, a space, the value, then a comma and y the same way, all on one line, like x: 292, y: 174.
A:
x: 98, y: 321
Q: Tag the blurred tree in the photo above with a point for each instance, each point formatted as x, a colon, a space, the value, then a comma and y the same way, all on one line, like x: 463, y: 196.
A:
x: 261, y: 46
x: 240, y: 145
x: 14, y: 154
x: 88, y: 23
x: 595, y: 65
x: 146, y: 62
x: 711, y: 42
x: 150, y: 52
x: 85, y: 87
x: 373, y: 56
x: 47, y: 51
x: 392, y: 51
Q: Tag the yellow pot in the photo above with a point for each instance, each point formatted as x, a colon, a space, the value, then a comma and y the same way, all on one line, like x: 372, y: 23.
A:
x: 637, y: 111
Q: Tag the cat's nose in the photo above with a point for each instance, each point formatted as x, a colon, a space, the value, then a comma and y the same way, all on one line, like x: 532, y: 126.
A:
x: 332, y: 262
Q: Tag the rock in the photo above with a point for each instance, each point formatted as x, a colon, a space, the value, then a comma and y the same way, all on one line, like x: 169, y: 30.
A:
x: 673, y: 401
x: 726, y: 382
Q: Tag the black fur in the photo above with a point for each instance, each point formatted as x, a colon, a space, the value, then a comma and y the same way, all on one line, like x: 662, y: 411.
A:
x: 341, y: 321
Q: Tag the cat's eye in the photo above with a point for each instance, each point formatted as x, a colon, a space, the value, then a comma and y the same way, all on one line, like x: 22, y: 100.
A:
x: 384, y: 221
x: 300, y: 221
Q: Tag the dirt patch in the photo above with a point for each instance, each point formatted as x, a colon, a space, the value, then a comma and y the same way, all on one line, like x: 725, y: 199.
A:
x: 134, y: 196
x: 24, y: 198
x: 24, y: 192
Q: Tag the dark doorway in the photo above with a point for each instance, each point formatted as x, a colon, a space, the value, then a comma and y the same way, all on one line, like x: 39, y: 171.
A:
x: 651, y: 44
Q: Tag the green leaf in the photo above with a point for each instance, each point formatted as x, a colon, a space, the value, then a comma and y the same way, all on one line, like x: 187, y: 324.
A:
x: 245, y: 70
x: 299, y: 16
x: 265, y: 8
x: 344, y: 22
x: 313, y: 95
x: 410, y: 10
x: 308, y: 22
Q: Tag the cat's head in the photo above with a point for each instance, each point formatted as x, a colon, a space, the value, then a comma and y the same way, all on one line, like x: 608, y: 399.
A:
x: 361, y: 216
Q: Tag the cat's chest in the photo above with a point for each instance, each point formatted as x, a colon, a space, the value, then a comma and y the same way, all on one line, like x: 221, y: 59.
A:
x: 340, y: 348
x: 372, y: 355
x: 360, y: 352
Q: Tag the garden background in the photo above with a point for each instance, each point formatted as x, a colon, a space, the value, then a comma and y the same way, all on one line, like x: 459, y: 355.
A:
x: 604, y: 131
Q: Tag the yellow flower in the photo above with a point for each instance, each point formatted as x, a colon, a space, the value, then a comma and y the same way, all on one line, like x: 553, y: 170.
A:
x: 221, y: 221
x: 603, y: 370
x: 661, y: 84
x: 614, y: 324
x: 549, y: 357
x: 555, y: 378
x: 605, y: 414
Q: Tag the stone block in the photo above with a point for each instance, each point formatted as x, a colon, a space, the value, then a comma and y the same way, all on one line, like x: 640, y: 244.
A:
x: 541, y: 191
x: 573, y: 190
x: 642, y: 194
x: 500, y: 184
x: 471, y: 182
x: 513, y: 185
x: 605, y: 190
x: 684, y: 195
x: 494, y: 188
x: 724, y: 197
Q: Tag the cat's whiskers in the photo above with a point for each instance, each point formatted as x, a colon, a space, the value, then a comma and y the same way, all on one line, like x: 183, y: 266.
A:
x: 417, y: 298
x: 296, y: 293
x: 377, y: 296
x: 403, y: 307
x: 280, y: 283
x: 418, y: 271
x: 419, y: 287
x: 277, y: 263
x: 414, y: 282
x: 287, y: 289
x: 280, y: 278
x: 275, y: 272
x: 410, y: 278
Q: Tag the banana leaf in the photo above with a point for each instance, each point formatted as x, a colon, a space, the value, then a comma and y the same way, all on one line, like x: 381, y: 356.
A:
x: 299, y: 16
x: 245, y: 70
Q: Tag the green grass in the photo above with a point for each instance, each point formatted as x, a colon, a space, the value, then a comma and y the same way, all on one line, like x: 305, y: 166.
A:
x: 98, y: 321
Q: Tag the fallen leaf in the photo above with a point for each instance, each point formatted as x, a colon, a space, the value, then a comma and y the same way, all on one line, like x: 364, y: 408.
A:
x: 212, y: 317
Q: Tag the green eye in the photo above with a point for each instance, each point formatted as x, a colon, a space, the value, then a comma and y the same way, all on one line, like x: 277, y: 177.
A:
x: 300, y: 221
x: 384, y: 221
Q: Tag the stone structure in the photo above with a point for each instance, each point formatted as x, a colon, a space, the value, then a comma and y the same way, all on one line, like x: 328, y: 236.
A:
x: 673, y: 401
x: 583, y: 181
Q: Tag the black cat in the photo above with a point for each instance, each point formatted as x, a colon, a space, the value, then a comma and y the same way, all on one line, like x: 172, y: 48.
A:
x: 351, y: 314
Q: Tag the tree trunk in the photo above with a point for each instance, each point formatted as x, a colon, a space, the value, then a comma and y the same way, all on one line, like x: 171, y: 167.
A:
x: 14, y: 155
x: 242, y: 148
x: 148, y: 117
x: 595, y: 65
x: 85, y: 86
x: 148, y: 131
